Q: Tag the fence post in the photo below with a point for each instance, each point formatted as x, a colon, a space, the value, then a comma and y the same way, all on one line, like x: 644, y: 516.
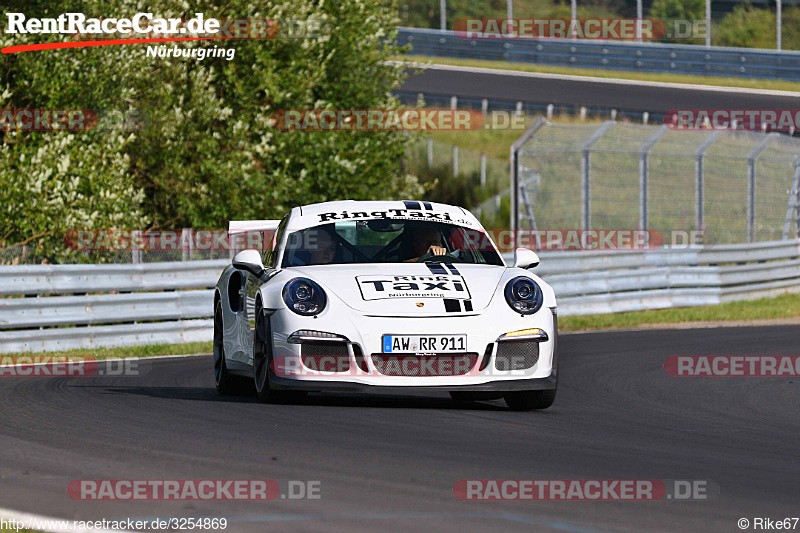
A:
x: 699, y: 180
x: 751, y: 185
x: 639, y: 21
x: 136, y: 252
x: 644, y: 175
x: 455, y: 160
x: 516, y: 146
x: 793, y: 207
x: 454, y: 102
x: 797, y: 198
x: 186, y: 244
x: 430, y: 152
x: 485, y: 107
x: 586, y: 173
x: 483, y: 170
x: 586, y: 190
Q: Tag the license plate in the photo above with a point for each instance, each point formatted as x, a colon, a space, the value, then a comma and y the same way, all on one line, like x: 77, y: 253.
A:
x: 424, y: 343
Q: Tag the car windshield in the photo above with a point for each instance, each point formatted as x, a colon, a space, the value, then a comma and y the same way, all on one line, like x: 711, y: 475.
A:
x: 388, y: 241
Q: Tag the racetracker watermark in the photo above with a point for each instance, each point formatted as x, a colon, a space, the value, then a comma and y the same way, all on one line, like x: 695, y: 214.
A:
x: 70, y: 120
x: 569, y: 239
x: 50, y: 365
x: 47, y: 119
x: 507, y: 240
x: 191, y: 489
x: 733, y: 365
x: 118, y: 240
x: 583, y: 489
x: 613, y: 29
x: 236, y: 29
x: 786, y: 120
x: 122, y: 524
x: 390, y: 365
x: 377, y: 119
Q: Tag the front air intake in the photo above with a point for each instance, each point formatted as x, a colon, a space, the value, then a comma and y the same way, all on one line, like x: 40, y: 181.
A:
x: 516, y: 355
x: 325, y: 356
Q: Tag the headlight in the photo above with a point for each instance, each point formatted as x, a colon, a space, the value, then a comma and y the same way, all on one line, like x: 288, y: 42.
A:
x: 304, y: 297
x: 523, y: 295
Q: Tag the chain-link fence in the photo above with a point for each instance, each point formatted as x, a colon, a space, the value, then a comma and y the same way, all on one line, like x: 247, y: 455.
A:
x: 459, y: 176
x: 728, y: 186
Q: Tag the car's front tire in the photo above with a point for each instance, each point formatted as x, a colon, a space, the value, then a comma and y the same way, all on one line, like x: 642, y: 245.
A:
x: 225, y: 382
x: 262, y: 360
x: 262, y: 356
x: 528, y: 400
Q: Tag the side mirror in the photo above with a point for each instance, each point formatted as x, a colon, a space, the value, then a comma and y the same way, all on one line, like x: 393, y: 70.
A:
x: 525, y: 258
x: 249, y: 260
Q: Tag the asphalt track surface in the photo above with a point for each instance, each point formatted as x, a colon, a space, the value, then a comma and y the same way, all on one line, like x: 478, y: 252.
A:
x: 388, y: 463
x: 562, y: 91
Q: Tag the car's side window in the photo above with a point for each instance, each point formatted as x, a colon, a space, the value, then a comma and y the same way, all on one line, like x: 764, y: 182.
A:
x: 271, y: 257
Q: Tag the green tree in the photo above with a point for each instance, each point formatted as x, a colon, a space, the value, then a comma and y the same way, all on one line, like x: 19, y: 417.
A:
x: 205, y: 149
x: 752, y: 27
x: 678, y: 9
x: 670, y: 11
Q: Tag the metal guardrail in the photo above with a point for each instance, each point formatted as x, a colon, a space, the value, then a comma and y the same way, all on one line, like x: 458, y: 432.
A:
x: 104, y: 308
x: 560, y: 262
x: 63, y: 307
x: 71, y: 279
x: 614, y: 281
x: 171, y: 302
x: 56, y: 339
x: 642, y: 57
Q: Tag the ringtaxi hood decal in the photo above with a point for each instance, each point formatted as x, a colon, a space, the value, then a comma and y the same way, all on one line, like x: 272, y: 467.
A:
x: 378, y: 287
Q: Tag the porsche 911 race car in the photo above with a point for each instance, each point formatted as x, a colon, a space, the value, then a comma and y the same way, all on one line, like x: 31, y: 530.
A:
x: 384, y: 296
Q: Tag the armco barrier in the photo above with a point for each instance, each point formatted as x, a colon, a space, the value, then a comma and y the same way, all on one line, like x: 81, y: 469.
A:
x: 642, y: 57
x: 47, y: 308
x: 146, y: 303
x: 616, y: 281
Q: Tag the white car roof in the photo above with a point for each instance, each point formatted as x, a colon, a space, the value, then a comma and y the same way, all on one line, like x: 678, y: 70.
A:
x: 327, y: 212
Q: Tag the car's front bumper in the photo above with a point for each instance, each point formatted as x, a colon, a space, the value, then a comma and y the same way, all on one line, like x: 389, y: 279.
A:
x: 364, y: 340
x: 506, y: 385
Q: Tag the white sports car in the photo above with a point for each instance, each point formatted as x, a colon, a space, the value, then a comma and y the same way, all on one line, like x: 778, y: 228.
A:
x: 384, y: 295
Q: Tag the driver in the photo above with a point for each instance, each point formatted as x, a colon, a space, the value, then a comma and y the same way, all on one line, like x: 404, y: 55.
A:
x: 426, y: 240
x: 323, y: 251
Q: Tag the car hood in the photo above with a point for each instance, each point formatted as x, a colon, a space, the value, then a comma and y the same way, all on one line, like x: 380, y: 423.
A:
x: 414, y: 289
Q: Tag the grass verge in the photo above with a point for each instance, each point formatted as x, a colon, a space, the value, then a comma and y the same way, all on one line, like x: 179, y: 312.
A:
x: 497, y: 142
x: 122, y: 352
x: 744, y: 83
x: 781, y: 307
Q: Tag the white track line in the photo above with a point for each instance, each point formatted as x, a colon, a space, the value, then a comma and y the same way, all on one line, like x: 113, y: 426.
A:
x: 37, y: 522
x: 614, y: 81
x: 146, y: 358
x: 76, y: 360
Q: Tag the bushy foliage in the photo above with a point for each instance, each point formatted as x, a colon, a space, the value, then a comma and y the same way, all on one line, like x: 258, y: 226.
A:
x: 754, y: 27
x: 204, y: 149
